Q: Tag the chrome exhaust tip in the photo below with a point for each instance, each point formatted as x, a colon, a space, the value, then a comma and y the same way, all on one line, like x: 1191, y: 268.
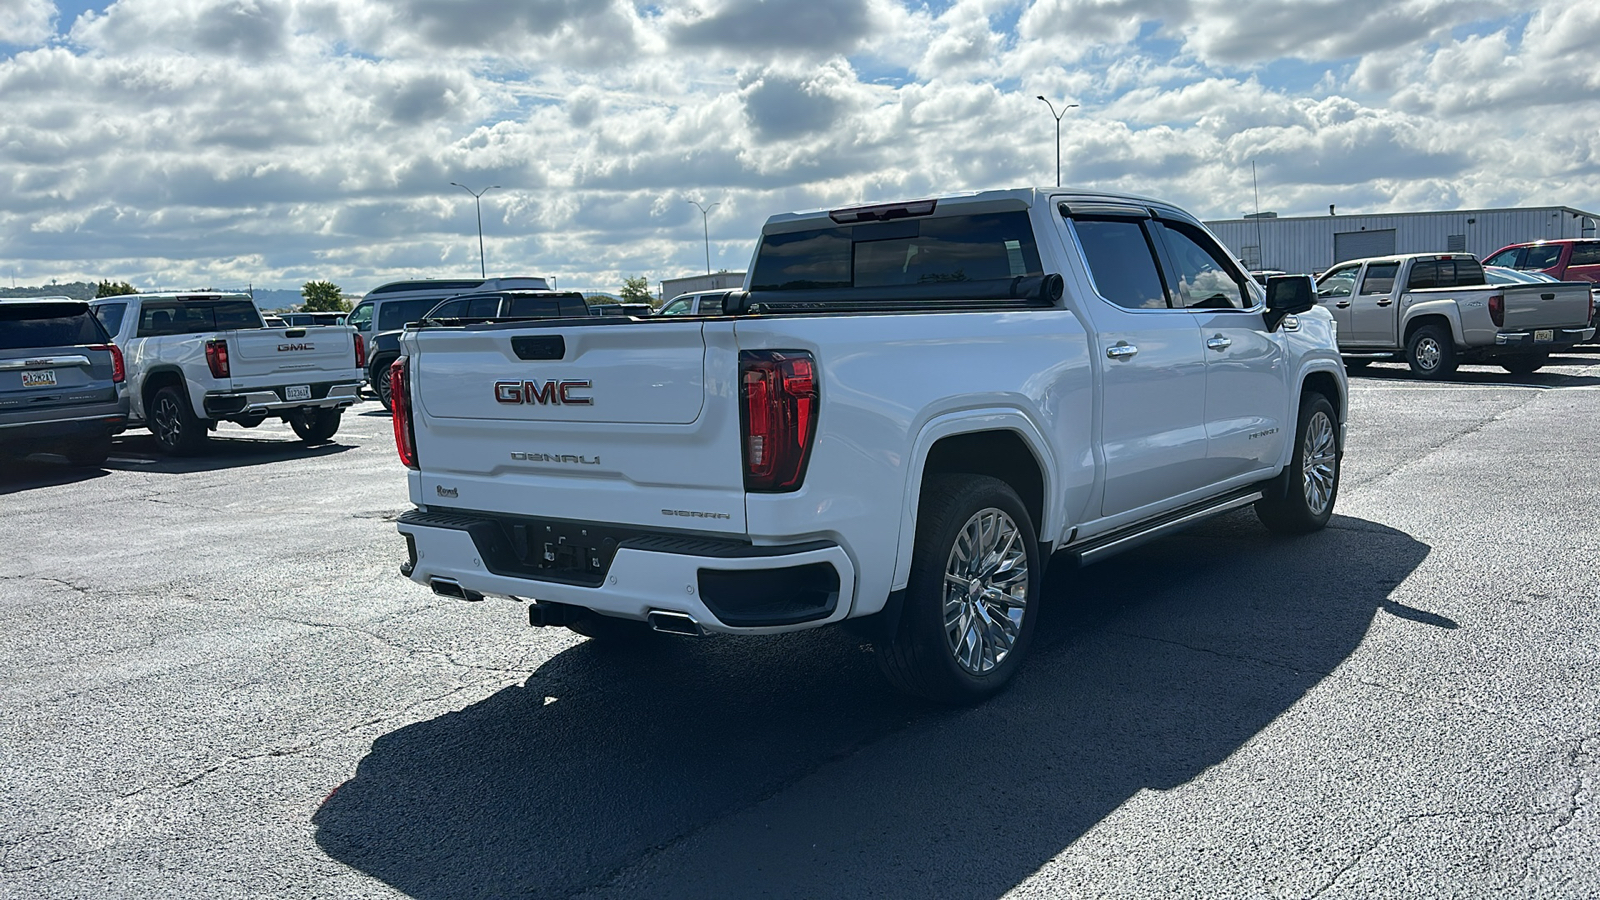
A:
x: 670, y: 622
x: 449, y: 587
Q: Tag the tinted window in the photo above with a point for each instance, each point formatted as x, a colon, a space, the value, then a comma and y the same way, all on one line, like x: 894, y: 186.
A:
x: 27, y: 325
x: 450, y: 309
x: 1585, y: 255
x: 915, y: 251
x: 1121, y: 263
x: 1379, y: 278
x: 110, y: 316
x: 361, y: 317
x: 229, y: 314
x: 1202, y: 279
x: 395, y: 315
x: 1468, y: 272
x: 678, y: 307
x: 1541, y: 257
x: 1424, y: 274
x: 1337, y: 283
x: 1507, y: 258
x: 483, y: 308
x: 712, y: 306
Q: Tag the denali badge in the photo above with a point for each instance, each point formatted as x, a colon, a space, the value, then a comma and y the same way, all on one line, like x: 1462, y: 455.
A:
x: 558, y: 393
x: 555, y: 458
x: 284, y: 348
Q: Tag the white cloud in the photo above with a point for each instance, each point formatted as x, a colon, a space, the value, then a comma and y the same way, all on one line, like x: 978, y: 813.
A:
x: 273, y: 141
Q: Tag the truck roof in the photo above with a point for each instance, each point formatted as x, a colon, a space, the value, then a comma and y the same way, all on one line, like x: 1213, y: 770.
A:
x: 966, y: 201
x: 179, y: 296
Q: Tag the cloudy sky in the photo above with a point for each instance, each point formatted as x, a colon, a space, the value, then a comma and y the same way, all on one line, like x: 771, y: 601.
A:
x: 186, y: 143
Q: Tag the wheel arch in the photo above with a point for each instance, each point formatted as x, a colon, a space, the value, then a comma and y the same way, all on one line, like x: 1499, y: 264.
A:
x: 1431, y: 314
x: 155, y: 380
x: 1002, y: 444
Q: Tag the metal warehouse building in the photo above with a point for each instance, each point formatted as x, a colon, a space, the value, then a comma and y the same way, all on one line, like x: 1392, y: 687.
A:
x: 1313, y: 243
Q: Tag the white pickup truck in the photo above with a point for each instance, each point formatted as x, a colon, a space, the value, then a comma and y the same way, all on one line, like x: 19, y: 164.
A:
x: 1437, y: 310
x: 907, y: 412
x: 194, y: 359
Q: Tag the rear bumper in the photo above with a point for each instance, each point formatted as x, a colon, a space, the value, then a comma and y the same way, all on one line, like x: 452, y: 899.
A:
x: 222, y: 404
x: 720, y: 584
x: 79, y: 424
x: 1528, y: 340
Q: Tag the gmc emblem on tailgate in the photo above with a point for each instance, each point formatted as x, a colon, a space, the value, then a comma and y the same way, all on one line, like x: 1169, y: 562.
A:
x: 284, y: 348
x: 558, y: 393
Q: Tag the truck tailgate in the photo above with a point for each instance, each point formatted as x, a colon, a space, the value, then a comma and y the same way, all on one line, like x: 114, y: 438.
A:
x: 631, y: 424
x: 1553, y: 305
x: 317, y: 353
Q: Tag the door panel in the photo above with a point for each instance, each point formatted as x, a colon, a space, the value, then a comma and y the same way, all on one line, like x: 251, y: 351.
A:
x: 1152, y: 423
x: 1246, y: 393
x: 1372, y: 312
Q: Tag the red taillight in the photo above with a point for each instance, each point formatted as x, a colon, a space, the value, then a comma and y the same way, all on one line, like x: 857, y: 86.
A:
x: 119, y: 369
x: 778, y: 397
x: 405, y: 436
x: 217, y: 358
x: 1497, y: 310
x: 361, y: 352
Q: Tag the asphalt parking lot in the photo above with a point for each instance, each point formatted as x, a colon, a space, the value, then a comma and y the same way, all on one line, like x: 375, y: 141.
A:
x: 215, y: 683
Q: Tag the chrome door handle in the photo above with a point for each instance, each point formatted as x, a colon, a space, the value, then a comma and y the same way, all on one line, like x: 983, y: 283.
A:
x: 1219, y: 343
x: 1123, y: 350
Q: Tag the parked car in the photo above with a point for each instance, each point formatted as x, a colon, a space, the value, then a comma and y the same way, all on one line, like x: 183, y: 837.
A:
x: 307, y: 319
x: 501, y: 305
x: 701, y: 303
x: 1566, y: 259
x: 1038, y: 373
x: 62, y: 381
x: 387, y: 308
x: 1437, y: 310
x: 195, y: 359
x: 1503, y: 275
x: 637, y: 310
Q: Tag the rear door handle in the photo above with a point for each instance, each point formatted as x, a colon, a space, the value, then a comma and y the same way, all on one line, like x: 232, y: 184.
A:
x: 1547, y: 296
x: 1218, y: 343
x: 1122, y: 350
x: 1385, y: 302
x: 1343, y: 304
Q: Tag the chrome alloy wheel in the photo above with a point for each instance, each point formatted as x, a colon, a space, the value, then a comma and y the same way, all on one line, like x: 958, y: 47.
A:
x: 1319, y: 463
x: 168, y: 424
x: 1429, y: 353
x: 985, y: 591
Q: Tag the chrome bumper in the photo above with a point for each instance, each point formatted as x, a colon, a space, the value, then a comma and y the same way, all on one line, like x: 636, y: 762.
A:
x: 244, y: 403
x: 1560, y: 336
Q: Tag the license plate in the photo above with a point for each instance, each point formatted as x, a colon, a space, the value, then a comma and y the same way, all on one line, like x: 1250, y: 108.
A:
x: 297, y: 392
x: 1544, y: 335
x: 39, y: 378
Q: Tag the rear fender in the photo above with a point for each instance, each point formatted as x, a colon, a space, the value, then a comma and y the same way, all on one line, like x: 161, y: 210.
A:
x: 1445, y: 308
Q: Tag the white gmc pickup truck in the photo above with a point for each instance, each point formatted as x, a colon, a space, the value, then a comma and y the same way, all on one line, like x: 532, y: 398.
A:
x: 908, y: 411
x: 197, y: 358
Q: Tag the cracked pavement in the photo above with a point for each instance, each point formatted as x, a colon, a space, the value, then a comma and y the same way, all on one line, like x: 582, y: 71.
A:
x: 216, y: 684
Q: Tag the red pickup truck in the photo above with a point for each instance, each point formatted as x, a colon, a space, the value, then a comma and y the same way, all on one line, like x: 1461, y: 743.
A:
x: 1568, y: 259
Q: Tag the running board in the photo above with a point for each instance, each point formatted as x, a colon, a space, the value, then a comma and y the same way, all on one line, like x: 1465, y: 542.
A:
x: 1098, y: 548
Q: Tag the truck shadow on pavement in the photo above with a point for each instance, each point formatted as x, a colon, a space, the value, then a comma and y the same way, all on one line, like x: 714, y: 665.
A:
x: 138, y: 452
x: 1489, y: 375
x: 784, y: 767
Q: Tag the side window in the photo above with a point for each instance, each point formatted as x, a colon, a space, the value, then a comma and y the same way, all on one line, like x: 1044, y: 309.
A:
x: 1338, y: 283
x: 1121, y: 262
x: 1201, y: 278
x: 155, y: 321
x: 712, y: 306
x: 453, y: 309
x: 1585, y: 255
x: 483, y: 308
x: 110, y: 316
x: 361, y: 318
x: 678, y: 307
x: 1424, y: 274
x: 1507, y: 258
x: 1542, y: 257
x: 1379, y: 278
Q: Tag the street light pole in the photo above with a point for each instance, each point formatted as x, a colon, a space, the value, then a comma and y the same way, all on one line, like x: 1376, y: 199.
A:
x: 483, y: 271
x: 1058, y: 116
x: 705, y: 226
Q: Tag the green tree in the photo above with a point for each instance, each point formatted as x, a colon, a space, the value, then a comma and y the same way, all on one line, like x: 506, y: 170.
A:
x: 323, y: 296
x: 107, y: 288
x: 636, y: 290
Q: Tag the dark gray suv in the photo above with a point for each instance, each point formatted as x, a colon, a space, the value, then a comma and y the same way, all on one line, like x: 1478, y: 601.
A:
x: 61, y: 382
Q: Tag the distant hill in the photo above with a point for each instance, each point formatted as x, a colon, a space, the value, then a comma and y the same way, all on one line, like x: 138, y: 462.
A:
x: 77, y: 290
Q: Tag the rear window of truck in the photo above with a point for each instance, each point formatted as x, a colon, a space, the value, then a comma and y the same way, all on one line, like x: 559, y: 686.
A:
x: 943, y: 250
x: 156, y: 319
x: 27, y: 325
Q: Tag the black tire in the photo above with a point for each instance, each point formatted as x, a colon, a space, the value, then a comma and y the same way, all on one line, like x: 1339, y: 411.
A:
x: 315, y: 425
x: 1356, y: 365
x: 178, y: 430
x: 612, y: 629
x: 1307, y: 504
x: 1525, y: 365
x: 380, y: 382
x: 88, y: 453
x: 1431, y: 352
x: 923, y: 655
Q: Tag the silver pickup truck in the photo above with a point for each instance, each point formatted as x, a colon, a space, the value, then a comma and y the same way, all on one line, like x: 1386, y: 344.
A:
x: 1436, y: 311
